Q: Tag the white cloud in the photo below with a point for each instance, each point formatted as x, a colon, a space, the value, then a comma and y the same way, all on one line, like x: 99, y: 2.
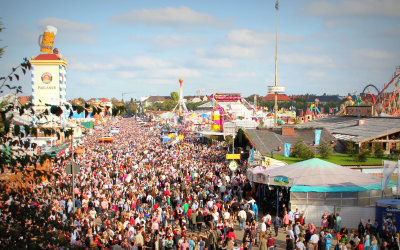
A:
x: 91, y: 66
x: 215, y: 62
x: 63, y: 24
x: 90, y: 81
x: 374, y: 54
x: 316, y: 74
x: 156, y: 81
x: 354, y: 8
x: 126, y: 74
x: 260, y: 37
x: 167, y: 17
x: 175, y: 72
x: 144, y: 62
x: 200, y: 52
x: 239, y: 74
x: 166, y: 42
x: 235, y: 51
x: 302, y: 59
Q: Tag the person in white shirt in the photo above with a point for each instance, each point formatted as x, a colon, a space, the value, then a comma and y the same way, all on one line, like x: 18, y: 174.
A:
x: 314, y: 239
x: 226, y: 215
x: 300, y: 245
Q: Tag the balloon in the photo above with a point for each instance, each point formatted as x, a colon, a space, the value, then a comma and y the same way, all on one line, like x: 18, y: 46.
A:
x: 181, y: 137
x: 180, y: 80
x: 170, y: 135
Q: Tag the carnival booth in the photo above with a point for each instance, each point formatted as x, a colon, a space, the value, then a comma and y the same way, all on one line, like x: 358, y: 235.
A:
x: 317, y: 186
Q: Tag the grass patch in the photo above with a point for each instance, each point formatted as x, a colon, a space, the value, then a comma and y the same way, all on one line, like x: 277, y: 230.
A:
x: 339, y: 159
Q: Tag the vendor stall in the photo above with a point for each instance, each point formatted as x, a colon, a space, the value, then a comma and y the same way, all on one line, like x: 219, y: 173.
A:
x: 320, y: 186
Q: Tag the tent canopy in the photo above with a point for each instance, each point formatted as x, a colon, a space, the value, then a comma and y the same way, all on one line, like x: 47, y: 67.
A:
x: 316, y: 175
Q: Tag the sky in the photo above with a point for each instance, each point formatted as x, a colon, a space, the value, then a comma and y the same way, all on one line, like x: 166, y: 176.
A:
x: 114, y: 47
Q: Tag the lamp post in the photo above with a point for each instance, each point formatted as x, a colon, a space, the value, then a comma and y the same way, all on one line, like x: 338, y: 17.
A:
x: 72, y: 126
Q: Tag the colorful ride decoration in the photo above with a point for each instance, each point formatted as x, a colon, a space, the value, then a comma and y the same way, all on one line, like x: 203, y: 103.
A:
x: 217, y: 118
x: 314, y: 107
x: 46, y: 45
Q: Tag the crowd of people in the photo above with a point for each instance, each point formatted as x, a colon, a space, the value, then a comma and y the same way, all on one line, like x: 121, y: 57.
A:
x: 140, y: 193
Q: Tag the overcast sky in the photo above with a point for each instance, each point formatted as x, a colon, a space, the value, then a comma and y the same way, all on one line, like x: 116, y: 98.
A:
x: 332, y: 47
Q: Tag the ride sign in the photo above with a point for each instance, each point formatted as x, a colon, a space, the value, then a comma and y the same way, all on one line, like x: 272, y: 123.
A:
x: 233, y: 165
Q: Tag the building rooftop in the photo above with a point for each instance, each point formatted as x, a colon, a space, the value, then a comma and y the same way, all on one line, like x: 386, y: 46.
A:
x: 158, y: 98
x: 346, y: 127
x: 269, y: 140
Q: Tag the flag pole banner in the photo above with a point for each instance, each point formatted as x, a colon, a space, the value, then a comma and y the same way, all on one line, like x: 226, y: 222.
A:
x: 317, y: 136
x: 287, y: 149
x: 388, y: 169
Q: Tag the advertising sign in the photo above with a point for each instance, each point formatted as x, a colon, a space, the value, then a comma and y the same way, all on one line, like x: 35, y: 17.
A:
x: 282, y: 181
x: 317, y: 136
x: 360, y: 111
x: 287, y: 149
x: 276, y: 89
x: 233, y: 165
x: 233, y: 156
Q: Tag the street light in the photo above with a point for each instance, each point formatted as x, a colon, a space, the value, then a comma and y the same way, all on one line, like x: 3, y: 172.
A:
x: 72, y: 126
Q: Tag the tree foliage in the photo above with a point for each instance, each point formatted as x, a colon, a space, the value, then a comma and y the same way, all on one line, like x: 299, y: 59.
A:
x: 325, y: 149
x: 350, y: 148
x: 363, y: 153
x: 379, y: 153
x: 300, y: 150
x: 175, y: 96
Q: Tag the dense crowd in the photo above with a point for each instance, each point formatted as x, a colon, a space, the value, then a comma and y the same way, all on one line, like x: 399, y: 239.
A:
x: 140, y: 193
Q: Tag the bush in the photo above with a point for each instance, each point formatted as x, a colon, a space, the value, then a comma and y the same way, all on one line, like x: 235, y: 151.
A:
x: 363, y: 154
x: 325, y: 149
x: 300, y: 150
x: 378, y: 150
x: 350, y: 148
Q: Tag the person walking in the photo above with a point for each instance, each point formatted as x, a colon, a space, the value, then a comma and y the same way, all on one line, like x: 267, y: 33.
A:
x: 242, y: 218
x: 263, y: 243
x: 276, y: 221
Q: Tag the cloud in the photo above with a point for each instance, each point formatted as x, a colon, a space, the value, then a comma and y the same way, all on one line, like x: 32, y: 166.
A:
x: 302, y: 59
x: 63, y: 24
x: 215, y: 62
x: 239, y: 74
x: 126, y: 74
x: 175, y: 72
x: 260, y: 37
x: 91, y: 66
x: 374, y: 54
x: 235, y: 51
x: 144, y: 62
x: 166, y: 42
x: 354, y: 8
x: 89, y: 81
x: 167, y: 17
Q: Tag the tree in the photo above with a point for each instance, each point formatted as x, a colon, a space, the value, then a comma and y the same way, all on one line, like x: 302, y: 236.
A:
x: 114, y: 101
x: 131, y: 99
x: 350, y: 148
x: 363, y: 153
x: 300, y: 150
x: 1, y: 49
x: 132, y: 108
x: 81, y: 99
x: 174, y: 96
x: 325, y: 149
x: 378, y: 150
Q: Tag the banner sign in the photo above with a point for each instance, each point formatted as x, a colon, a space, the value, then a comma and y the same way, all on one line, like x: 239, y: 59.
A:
x: 268, y: 161
x: 251, y: 156
x: 233, y: 165
x: 317, y: 136
x: 287, y: 149
x: 282, y: 181
x: 233, y: 156
x: 388, y: 169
